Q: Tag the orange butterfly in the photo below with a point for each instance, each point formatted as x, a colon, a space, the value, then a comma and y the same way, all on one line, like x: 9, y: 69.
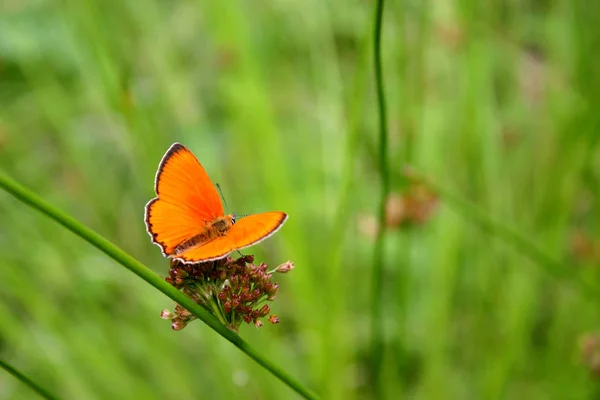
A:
x: 187, y: 220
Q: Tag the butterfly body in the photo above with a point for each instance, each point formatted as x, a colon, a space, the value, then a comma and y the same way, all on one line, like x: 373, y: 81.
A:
x: 186, y: 219
x: 213, y: 230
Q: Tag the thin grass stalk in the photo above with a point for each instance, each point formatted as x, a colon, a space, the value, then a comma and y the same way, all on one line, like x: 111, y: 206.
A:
x: 341, y: 221
x: 378, y: 258
x: 146, y: 274
x: 27, y: 382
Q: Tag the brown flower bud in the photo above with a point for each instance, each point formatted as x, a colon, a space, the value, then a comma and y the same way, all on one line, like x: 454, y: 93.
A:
x: 264, y: 310
x: 184, y: 313
x: 273, y: 289
x: 178, y: 324
x: 285, y: 267
x: 180, y: 273
x: 246, y: 297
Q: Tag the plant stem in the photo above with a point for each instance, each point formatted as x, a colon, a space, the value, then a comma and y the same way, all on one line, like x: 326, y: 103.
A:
x: 216, y: 309
x: 378, y: 258
x: 28, y: 382
x: 146, y: 274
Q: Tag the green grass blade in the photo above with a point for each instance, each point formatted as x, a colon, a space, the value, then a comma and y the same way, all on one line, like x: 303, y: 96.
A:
x: 28, y: 382
x: 146, y: 274
x: 513, y: 238
x: 377, y: 282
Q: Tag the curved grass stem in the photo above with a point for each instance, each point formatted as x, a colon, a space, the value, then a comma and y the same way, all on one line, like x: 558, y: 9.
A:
x: 28, y: 382
x: 378, y: 259
x: 146, y: 274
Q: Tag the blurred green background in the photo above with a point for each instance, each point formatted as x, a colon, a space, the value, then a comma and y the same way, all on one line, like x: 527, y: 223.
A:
x: 497, y: 101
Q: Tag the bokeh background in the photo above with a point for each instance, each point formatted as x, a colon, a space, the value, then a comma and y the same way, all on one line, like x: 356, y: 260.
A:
x: 496, y: 101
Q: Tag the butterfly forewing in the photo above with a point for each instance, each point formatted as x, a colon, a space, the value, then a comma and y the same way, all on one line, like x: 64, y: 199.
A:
x: 187, y: 200
x: 181, y: 179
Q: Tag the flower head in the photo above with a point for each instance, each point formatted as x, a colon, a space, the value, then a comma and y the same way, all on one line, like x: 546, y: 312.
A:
x: 233, y: 290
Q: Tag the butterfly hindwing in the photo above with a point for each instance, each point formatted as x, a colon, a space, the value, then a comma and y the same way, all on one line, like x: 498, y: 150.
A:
x: 245, y: 232
x: 213, y: 250
x: 255, y: 228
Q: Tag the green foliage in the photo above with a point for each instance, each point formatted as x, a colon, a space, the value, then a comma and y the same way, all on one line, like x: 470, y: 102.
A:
x: 494, y: 101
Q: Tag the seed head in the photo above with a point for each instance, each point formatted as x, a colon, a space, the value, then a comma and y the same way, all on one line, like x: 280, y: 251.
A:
x: 233, y: 290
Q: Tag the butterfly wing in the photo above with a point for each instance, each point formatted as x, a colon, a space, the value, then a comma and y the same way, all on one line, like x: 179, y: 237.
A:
x: 187, y: 200
x: 255, y: 228
x: 213, y: 250
x: 244, y: 233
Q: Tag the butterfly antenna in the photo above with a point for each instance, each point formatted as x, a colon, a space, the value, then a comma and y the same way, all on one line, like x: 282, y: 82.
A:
x: 223, y: 198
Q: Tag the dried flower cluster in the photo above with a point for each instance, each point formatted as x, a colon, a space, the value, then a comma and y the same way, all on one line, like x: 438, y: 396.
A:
x: 233, y: 290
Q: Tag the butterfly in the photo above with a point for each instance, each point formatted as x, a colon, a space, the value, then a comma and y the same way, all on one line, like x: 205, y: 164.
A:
x: 186, y: 219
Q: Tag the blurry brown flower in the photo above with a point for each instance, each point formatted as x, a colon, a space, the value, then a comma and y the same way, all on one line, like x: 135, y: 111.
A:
x: 584, y: 248
x: 590, y: 352
x: 451, y: 35
x: 413, y: 206
x: 233, y: 290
